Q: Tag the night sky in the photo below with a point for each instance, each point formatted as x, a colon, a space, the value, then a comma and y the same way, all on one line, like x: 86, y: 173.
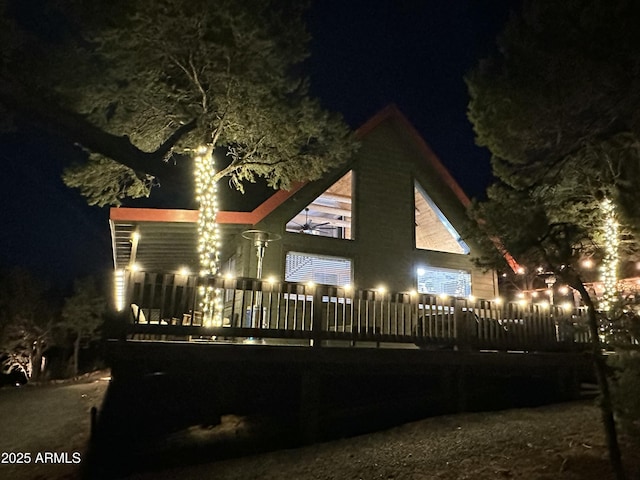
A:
x: 364, y: 56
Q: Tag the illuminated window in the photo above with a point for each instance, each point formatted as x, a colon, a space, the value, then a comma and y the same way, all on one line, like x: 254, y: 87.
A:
x: 329, y: 215
x: 456, y: 283
x: 433, y: 230
x: 304, y: 267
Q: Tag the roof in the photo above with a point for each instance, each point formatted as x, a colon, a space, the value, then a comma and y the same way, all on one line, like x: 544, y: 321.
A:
x: 180, y: 226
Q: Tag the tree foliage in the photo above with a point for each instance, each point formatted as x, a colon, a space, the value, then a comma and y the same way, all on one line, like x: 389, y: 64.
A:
x: 564, y: 90
x: 26, y: 319
x: 82, y: 317
x: 558, y: 108
x: 143, y: 83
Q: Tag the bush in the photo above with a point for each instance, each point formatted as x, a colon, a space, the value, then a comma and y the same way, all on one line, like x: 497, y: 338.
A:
x: 625, y: 389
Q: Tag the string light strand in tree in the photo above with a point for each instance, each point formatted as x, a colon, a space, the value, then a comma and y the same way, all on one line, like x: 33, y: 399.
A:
x: 209, y: 241
x: 609, y: 269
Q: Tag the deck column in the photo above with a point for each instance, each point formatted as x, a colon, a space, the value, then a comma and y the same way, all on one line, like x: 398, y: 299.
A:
x: 310, y: 405
x: 453, y: 388
x: 462, y: 399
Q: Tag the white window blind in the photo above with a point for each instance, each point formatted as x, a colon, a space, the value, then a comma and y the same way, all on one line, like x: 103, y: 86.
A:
x: 304, y: 267
x: 456, y: 283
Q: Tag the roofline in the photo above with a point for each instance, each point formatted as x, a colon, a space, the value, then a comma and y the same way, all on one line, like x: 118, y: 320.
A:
x: 391, y: 111
x: 279, y: 197
x: 271, y: 203
x: 128, y: 214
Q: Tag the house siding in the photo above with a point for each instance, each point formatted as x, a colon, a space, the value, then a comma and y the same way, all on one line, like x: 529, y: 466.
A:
x: 382, y: 250
x: 384, y: 213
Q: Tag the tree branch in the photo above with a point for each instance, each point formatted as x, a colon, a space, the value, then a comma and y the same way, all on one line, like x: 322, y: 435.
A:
x: 59, y: 121
x: 170, y: 142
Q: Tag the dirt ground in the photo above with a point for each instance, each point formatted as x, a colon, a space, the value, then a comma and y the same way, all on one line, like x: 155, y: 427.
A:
x: 562, y: 441
x: 47, y: 419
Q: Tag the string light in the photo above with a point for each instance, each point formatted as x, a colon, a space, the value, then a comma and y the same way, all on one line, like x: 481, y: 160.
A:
x: 609, y: 269
x: 209, y: 241
x: 119, y: 289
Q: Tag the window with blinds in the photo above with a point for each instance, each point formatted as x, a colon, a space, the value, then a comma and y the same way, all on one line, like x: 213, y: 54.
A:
x: 305, y: 267
x: 456, y: 283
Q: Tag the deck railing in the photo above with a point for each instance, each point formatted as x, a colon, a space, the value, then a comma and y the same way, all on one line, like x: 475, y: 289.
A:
x: 166, y: 307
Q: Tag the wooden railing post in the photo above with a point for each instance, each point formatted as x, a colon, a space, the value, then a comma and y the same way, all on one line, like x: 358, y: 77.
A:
x: 317, y: 316
x: 464, y: 324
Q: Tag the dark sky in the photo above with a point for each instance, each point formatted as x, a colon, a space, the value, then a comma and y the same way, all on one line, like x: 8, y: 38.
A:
x: 413, y: 53
x: 365, y: 55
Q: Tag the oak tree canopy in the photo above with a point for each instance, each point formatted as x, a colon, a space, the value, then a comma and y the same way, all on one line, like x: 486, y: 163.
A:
x: 140, y: 84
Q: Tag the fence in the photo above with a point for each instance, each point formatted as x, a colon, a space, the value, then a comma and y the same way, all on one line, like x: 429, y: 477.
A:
x: 166, y: 307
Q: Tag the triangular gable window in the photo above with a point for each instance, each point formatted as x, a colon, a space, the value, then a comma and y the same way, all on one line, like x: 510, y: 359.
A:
x: 433, y: 230
x: 329, y: 215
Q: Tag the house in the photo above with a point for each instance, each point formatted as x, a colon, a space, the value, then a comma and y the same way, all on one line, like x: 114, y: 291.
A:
x: 391, y: 219
x: 372, y: 293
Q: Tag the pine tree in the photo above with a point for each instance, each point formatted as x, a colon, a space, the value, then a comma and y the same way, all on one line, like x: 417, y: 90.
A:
x: 558, y: 109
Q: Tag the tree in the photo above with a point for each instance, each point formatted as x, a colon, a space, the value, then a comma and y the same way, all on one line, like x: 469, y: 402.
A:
x: 26, y: 320
x: 625, y: 385
x: 22, y: 348
x: 82, y: 317
x: 142, y: 84
x: 565, y: 87
x: 559, y: 110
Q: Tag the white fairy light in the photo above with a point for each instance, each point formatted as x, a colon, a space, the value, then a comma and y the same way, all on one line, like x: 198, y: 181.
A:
x: 208, y: 233
x: 609, y: 275
x: 119, y: 285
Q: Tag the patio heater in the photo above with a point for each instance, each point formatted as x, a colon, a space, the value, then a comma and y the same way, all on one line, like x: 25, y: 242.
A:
x: 260, y: 240
x: 550, y: 281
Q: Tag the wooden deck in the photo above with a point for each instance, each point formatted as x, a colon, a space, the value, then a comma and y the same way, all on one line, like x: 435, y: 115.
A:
x: 165, y: 308
x: 322, y: 352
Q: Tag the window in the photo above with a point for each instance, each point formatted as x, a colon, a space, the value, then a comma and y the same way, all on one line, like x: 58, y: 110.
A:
x: 304, y: 267
x: 433, y: 230
x: 456, y: 283
x: 329, y: 215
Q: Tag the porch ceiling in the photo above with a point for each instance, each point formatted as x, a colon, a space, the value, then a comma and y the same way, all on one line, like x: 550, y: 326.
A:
x: 160, y: 246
